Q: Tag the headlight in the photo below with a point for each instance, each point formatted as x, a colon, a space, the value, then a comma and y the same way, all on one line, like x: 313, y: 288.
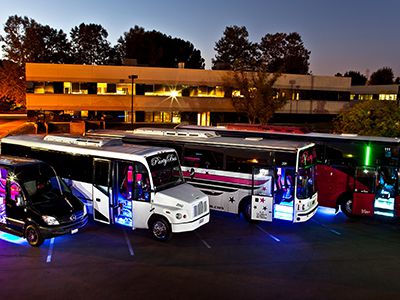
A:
x: 179, y: 215
x: 50, y: 220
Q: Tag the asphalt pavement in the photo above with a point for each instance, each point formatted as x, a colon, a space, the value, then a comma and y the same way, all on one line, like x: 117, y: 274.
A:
x: 328, y: 257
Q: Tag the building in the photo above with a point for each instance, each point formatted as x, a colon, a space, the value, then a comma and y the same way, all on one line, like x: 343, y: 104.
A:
x: 376, y: 92
x: 165, y: 94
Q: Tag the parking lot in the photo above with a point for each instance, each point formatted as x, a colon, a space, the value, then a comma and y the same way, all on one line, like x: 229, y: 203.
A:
x: 326, y: 258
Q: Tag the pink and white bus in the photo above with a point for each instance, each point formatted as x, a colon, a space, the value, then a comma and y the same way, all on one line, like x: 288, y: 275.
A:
x: 260, y: 179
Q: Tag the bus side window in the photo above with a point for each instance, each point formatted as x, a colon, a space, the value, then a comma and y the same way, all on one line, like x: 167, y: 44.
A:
x: 203, y: 158
x: 125, y: 180
x: 141, y: 183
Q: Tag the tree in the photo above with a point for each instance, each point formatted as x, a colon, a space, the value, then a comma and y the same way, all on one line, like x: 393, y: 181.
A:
x: 382, y: 76
x: 356, y: 77
x: 12, y: 86
x: 235, y: 51
x: 89, y: 45
x: 156, y: 49
x: 256, y: 96
x: 25, y: 40
x: 371, y: 117
x: 282, y: 52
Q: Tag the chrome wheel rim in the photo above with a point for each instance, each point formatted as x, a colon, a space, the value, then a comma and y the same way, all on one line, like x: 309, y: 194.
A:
x: 159, y: 229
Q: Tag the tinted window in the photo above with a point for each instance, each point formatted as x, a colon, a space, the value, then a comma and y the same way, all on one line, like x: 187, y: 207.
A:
x: 202, y: 158
x: 243, y: 160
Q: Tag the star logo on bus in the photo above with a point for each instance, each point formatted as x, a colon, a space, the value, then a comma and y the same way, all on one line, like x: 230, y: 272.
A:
x: 262, y: 200
x: 231, y: 199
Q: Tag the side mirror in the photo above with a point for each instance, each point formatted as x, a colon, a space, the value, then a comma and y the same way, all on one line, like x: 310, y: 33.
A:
x: 20, y: 201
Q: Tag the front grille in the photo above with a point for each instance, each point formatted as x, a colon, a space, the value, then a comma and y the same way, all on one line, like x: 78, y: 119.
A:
x: 200, y: 208
x: 71, y: 218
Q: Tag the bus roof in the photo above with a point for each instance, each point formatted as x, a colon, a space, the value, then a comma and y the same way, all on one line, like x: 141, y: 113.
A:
x: 198, y: 137
x: 295, y: 135
x: 88, y: 146
x: 12, y: 161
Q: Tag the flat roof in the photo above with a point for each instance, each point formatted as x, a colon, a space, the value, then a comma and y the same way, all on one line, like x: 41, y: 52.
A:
x: 217, y: 141
x: 122, y: 151
x: 310, y: 136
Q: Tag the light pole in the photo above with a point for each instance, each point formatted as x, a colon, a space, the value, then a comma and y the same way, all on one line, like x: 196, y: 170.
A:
x: 132, y: 77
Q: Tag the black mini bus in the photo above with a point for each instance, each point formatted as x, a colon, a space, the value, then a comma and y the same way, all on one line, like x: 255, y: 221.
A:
x: 35, y: 203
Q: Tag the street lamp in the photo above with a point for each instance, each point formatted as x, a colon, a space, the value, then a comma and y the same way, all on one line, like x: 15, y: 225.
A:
x: 132, y: 77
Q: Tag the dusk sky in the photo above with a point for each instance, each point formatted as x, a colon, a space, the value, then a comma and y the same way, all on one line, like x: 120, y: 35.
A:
x: 342, y: 35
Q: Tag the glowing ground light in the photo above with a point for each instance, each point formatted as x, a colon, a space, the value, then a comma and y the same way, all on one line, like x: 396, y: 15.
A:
x: 327, y: 211
x: 12, y: 238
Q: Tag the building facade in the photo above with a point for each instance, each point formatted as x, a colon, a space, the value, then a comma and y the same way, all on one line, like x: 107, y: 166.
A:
x: 165, y: 94
x: 390, y: 92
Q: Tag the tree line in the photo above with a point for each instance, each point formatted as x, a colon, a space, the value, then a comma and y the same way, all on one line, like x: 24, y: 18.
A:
x: 26, y: 40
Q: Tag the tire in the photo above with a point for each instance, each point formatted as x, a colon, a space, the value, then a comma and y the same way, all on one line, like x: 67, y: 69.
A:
x: 245, y: 210
x: 160, y: 229
x: 347, y: 207
x: 33, y: 236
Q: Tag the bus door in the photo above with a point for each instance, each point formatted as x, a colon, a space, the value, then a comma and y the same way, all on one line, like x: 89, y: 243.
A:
x: 364, y: 191
x: 101, y: 190
x: 262, y: 200
x: 386, y: 194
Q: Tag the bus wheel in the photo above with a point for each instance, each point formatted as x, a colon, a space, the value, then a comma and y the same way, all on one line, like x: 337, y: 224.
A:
x: 347, y: 207
x: 160, y: 229
x: 33, y: 236
x: 246, y: 209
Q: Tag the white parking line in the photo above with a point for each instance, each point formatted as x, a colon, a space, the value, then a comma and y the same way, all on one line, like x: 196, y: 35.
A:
x: 270, y: 235
x: 50, y: 252
x: 203, y: 241
x: 326, y: 227
x: 128, y: 242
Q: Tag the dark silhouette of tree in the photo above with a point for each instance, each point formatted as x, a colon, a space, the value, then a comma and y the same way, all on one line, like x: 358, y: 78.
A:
x: 397, y: 80
x: 382, y: 76
x: 25, y: 40
x: 282, y: 52
x: 254, y: 94
x: 89, y: 45
x: 156, y: 49
x: 235, y: 51
x: 12, y: 86
x: 370, y: 117
x: 356, y: 77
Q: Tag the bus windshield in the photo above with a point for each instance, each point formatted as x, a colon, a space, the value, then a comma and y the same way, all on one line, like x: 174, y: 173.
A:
x: 41, y: 183
x: 306, y: 173
x: 165, y: 170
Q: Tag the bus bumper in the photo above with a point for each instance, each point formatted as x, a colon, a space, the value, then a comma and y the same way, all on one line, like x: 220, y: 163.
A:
x: 190, y: 226
x: 305, y: 215
x: 53, y: 231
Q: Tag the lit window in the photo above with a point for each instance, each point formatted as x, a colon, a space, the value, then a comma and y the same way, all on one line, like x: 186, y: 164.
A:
x: 392, y: 97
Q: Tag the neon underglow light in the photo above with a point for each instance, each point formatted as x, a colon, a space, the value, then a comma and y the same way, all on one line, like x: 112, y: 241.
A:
x: 12, y: 238
x: 327, y: 211
x: 367, y: 155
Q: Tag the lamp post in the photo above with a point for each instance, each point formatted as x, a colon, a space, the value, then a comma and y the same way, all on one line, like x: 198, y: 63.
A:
x: 132, y: 77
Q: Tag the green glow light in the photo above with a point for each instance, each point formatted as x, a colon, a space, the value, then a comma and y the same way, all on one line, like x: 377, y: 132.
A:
x: 367, y: 155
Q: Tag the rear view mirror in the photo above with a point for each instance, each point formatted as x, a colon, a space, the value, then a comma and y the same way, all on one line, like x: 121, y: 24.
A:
x: 20, y: 201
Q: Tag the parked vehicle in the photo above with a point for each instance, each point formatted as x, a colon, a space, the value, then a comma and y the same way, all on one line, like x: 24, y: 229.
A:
x: 35, y: 203
x: 135, y: 186
x: 358, y: 174
x: 261, y: 179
